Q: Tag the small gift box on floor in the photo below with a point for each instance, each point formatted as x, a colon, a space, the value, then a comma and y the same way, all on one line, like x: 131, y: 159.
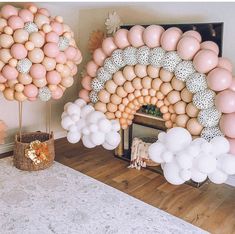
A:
x: 139, y: 153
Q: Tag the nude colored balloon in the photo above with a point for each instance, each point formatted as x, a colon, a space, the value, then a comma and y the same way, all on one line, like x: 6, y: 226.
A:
x: 170, y: 38
x: 152, y: 35
x: 36, y: 55
x: 115, y: 99
x: 129, y: 73
x: 99, y: 106
x: 8, y: 11
x: 18, y: 51
x: 177, y: 84
x: 210, y: 45
x: 147, y: 82
x: 120, y: 38
x: 58, y: 93
x: 51, y: 49
x: 19, y: 96
x: 226, y: 64
x: 53, y: 77
x: 26, y: 15
x: 104, y: 96
x: 37, y: 71
x: 153, y: 71
x: 25, y: 79
x: 37, y: 39
x: 61, y: 58
x: 181, y: 120
x: 5, y: 55
x: 29, y: 45
x: 227, y: 125
x: 91, y: 68
x: 20, y: 36
x: 19, y: 87
x: 111, y: 86
x: 6, y: 41
x: 140, y: 70
x: 108, y: 46
x: 156, y: 83
x: 225, y: 101
x: 41, y: 19
x: 194, y: 127
x: 15, y: 22
x: 137, y: 84
x: 30, y: 91
x: 39, y: 83
x: 121, y: 92
x: 86, y: 82
x: 173, y: 97
x: 2, y: 79
x: 99, y: 57
x: 48, y: 63
x: 57, y: 27
x: 128, y: 87
x: 166, y: 88
x: 119, y: 78
x: 194, y: 34
x: 191, y: 110
x: 71, y: 52
x: 135, y: 36
x: 10, y: 73
x: 9, y: 94
x: 165, y: 75
x: 44, y: 11
x: 52, y: 37
x: 180, y: 107
x: 187, y: 47
x: 67, y: 81
x: 219, y: 79
x: 205, y: 60
x: 186, y: 96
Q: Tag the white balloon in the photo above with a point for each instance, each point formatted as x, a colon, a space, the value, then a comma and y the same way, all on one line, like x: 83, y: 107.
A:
x: 228, y: 164
x: 86, y: 110
x: 66, y: 122
x: 206, y: 163
x: 73, y: 109
x: 161, y: 137
x: 86, y: 131
x: 218, y: 177
x: 220, y: 145
x: 155, y: 150
x: 108, y: 146
x: 162, y: 165
x: 193, y: 150
x: 93, y: 128
x: 80, y: 102
x: 167, y: 156
x: 177, y: 139
x: 198, y: 141
x: 198, y: 176
x: 95, y: 116
x: 104, y: 125
x: 184, y: 160
x: 185, y: 174
x: 113, y: 138
x: 206, y: 147
x: 115, y: 125
x: 64, y: 114
x: 87, y: 142
x: 67, y: 105
x: 171, y: 173
x: 97, y: 138
x: 81, y: 123
x: 74, y: 137
x: 73, y: 128
x: 75, y: 117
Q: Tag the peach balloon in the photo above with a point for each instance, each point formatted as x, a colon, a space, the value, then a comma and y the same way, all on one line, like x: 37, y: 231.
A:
x: 71, y: 52
x: 165, y: 75
x: 164, y: 109
x: 11, y: 83
x: 137, y: 93
x: 111, y: 86
x: 67, y: 81
x: 135, y: 36
x: 225, y: 63
x: 99, y: 57
x: 8, y: 30
x: 20, y: 36
x: 128, y: 87
x: 52, y: 37
x: 180, y: 107
x: 44, y: 11
x: 111, y: 107
x: 86, y: 82
x: 177, y: 84
x: 6, y: 41
x: 2, y: 79
x: 210, y: 45
x: 110, y: 115
x: 58, y: 93
x: 120, y: 38
x: 147, y: 82
x: 8, y: 11
x: 186, y: 96
x: 61, y: 58
x: 53, y: 77
x: 119, y: 78
x: 36, y: 55
x: 3, y: 24
x: 37, y: 71
x: 26, y: 15
x: 9, y: 94
x: 15, y: 22
x: 104, y: 96
x: 194, y: 127
x: 131, y: 97
x: 91, y: 68
x: 219, y: 79
x: 57, y: 27
x: 166, y: 88
x: 187, y: 47
x: 29, y: 45
x: 160, y: 95
x: 170, y: 38
x: 129, y: 73
x: 19, y: 96
x: 152, y: 35
x: 140, y: 70
x: 19, y: 87
x: 137, y: 84
x: 30, y: 91
x: 37, y: 39
x: 10, y: 73
x: 40, y: 20
x: 121, y: 107
x: 51, y: 49
x: 108, y: 46
x: 5, y: 55
x: 156, y: 83
x: 173, y: 96
x: 205, y: 60
x: 48, y: 63
x: 181, y: 120
x: 115, y: 99
x: 121, y: 92
x: 192, y: 110
x: 152, y: 92
x: 168, y: 124
x: 39, y: 83
x: 147, y: 99
x: 153, y: 71
x: 18, y: 51
x: 84, y: 94
x: 25, y: 79
x: 194, y: 34
x: 153, y: 100
x: 99, y: 106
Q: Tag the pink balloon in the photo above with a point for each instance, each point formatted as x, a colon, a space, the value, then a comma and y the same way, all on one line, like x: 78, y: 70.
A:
x: 225, y: 101
x: 120, y: 38
x: 152, y: 35
x: 51, y: 49
x: 205, y: 60
x: 219, y: 79
x: 37, y: 71
x: 57, y: 27
x: 74, y: 70
x: 194, y: 34
x: 86, y: 83
x: 84, y: 94
x: 44, y: 12
x: 61, y: 58
x: 15, y: 22
x: 78, y: 56
x: 8, y: 11
x: 57, y: 93
x: 26, y: 15
x: 2, y: 79
x: 30, y: 91
x: 10, y: 73
x: 227, y: 125
x: 232, y: 145
x: 71, y: 52
x: 91, y: 68
x: 99, y: 57
x: 53, y: 77
x: 52, y: 37
x: 187, y: 47
x: 225, y: 63
x: 18, y: 51
x: 135, y: 36
x: 232, y: 86
x: 210, y: 45
x: 170, y: 38
x: 108, y: 46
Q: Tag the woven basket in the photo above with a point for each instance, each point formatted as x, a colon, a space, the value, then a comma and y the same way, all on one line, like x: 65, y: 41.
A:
x: 21, y: 161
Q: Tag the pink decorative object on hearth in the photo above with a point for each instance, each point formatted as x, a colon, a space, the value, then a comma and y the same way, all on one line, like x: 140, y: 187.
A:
x: 3, y: 129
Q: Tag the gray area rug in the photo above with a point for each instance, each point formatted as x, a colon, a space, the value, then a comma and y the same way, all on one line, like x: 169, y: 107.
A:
x: 64, y: 201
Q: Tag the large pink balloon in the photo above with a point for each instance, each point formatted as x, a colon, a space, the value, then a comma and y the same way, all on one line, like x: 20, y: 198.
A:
x: 225, y: 101
x: 152, y: 35
x: 232, y: 86
x: 194, y: 34
x: 15, y: 22
x: 219, y: 79
x: 232, y: 145
x: 227, y: 125
x: 86, y: 82
x: 225, y: 63
x: 26, y: 15
x: 52, y: 37
x: 8, y: 11
x: 108, y: 46
x: 57, y: 27
x: 51, y: 49
x: 18, y: 51
x: 99, y: 57
x: 30, y: 91
x: 135, y: 36
x: 53, y: 77
x: 71, y: 52
x: 205, y: 60
x: 57, y: 93
x: 120, y: 38
x: 170, y: 38
x: 91, y: 68
x: 187, y: 47
x: 84, y: 94
x: 210, y: 45
x: 10, y: 73
x: 37, y: 71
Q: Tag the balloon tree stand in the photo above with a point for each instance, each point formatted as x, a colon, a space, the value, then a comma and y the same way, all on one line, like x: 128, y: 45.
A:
x: 146, y: 121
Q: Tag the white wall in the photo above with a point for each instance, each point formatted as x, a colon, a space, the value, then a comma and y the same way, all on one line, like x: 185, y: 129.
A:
x: 86, y: 17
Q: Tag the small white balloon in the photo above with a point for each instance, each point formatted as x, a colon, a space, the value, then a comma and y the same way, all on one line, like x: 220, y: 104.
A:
x: 80, y: 102
x: 199, y: 141
x: 93, y: 128
x: 228, y: 164
x: 218, y: 177
x: 162, y: 137
x: 113, y: 138
x: 81, y: 123
x: 104, y: 125
x: 87, y: 142
x: 193, y: 150
x: 95, y: 116
x: 167, y: 156
x: 97, y: 138
x: 206, y: 163
x: 108, y: 146
x: 155, y: 150
x: 171, y: 173
x: 73, y: 109
x: 185, y: 174
x: 115, y: 125
x: 75, y: 117
x: 86, y: 110
x: 64, y: 114
x: 198, y: 176
x: 184, y: 160
x: 67, y: 105
x: 206, y: 147
x: 220, y: 145
x: 74, y: 137
x: 66, y: 122
x: 86, y: 131
x: 73, y: 128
